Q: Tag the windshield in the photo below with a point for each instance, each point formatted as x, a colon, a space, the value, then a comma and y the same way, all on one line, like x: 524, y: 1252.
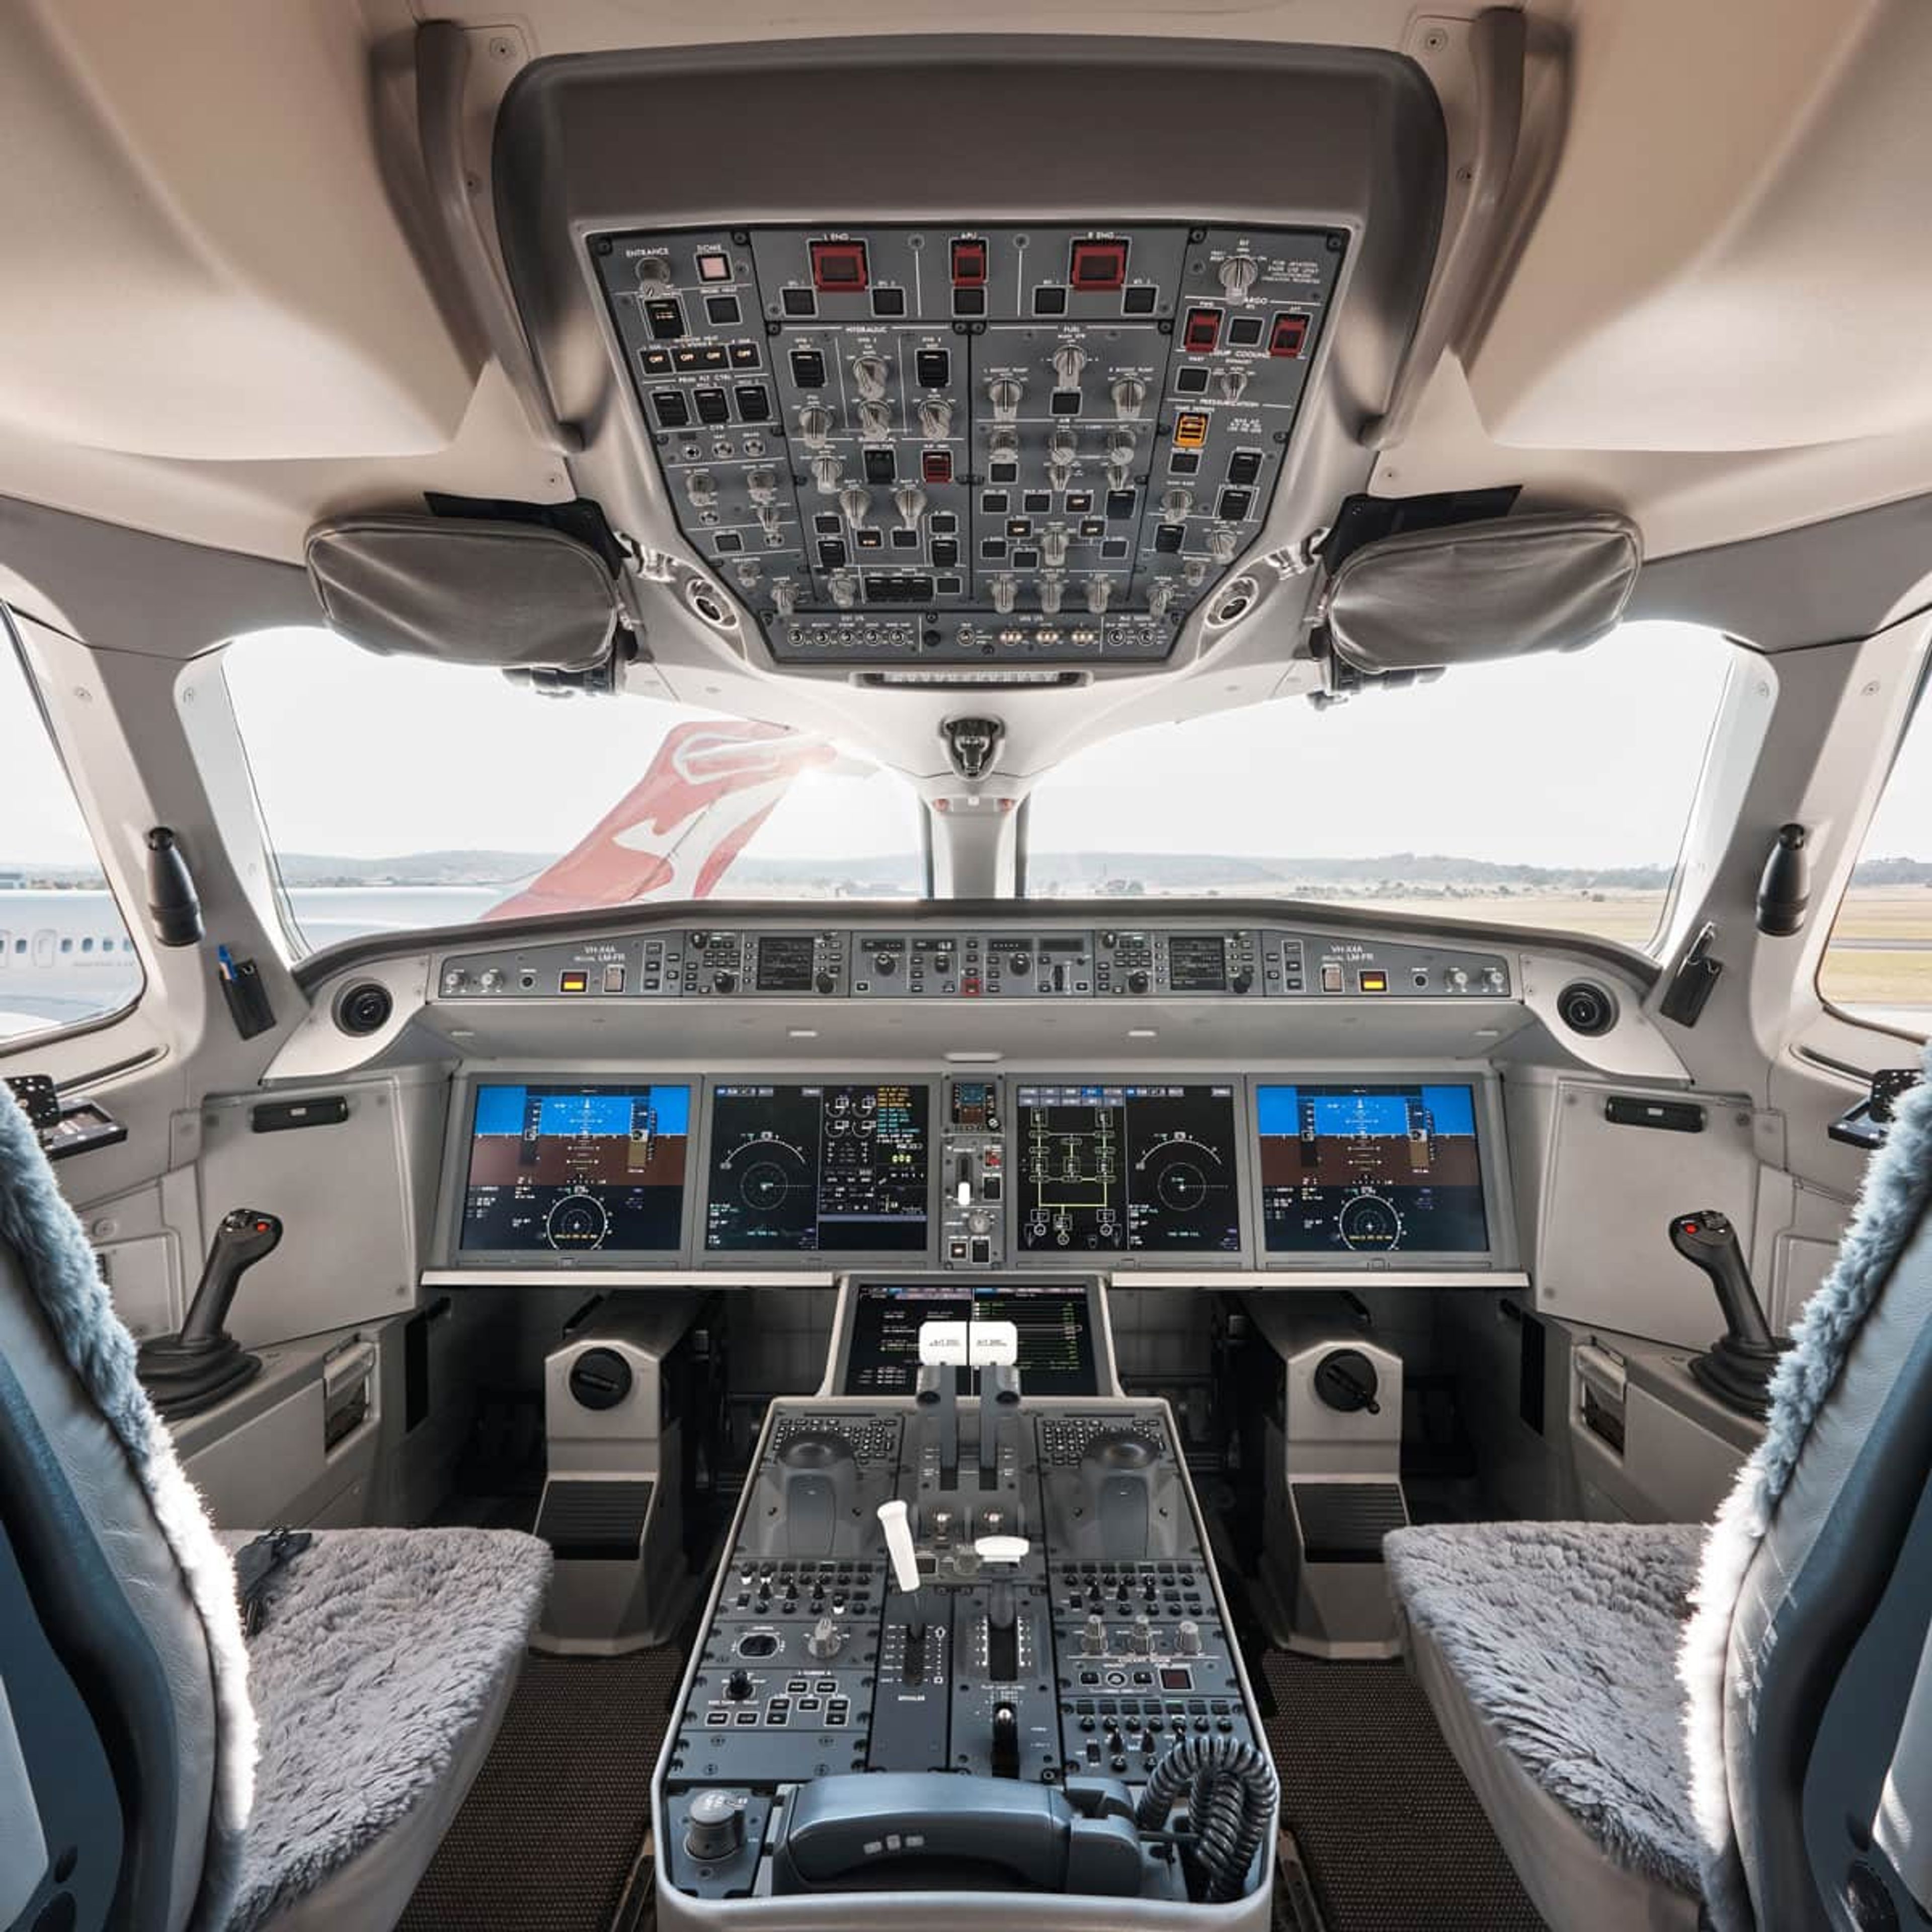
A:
x: 1548, y: 791
x: 398, y: 793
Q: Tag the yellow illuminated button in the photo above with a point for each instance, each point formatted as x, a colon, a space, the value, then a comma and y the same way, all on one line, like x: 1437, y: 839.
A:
x: 574, y: 982
x: 1373, y: 982
x: 1190, y: 430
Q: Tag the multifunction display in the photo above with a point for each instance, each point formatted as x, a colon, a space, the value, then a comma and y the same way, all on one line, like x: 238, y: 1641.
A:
x: 576, y: 1169
x: 818, y: 1169
x: 1370, y: 1170
x: 1054, y: 1319
x: 1105, y: 1168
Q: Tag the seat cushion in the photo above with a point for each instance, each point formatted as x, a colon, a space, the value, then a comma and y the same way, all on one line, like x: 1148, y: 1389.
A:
x: 382, y: 1655
x: 1563, y: 1637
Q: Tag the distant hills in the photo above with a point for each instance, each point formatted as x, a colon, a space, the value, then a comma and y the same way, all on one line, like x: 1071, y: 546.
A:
x: 1392, y: 874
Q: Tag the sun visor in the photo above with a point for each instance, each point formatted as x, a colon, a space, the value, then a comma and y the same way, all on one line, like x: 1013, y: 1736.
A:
x: 1429, y: 598
x: 514, y: 596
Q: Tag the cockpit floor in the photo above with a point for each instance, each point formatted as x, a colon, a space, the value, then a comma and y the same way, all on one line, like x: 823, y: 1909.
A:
x: 1389, y: 1830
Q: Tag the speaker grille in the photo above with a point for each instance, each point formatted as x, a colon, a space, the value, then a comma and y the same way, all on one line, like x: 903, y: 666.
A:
x: 594, y: 1522
x: 1345, y: 1523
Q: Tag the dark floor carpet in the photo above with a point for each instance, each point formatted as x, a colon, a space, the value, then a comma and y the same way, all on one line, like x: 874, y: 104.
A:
x: 550, y: 1828
x: 1391, y: 1833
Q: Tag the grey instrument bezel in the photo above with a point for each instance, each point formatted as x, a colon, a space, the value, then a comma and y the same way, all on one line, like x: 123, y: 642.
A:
x: 1491, y: 1155
x: 453, y: 1184
x: 1128, y: 1261
x: 925, y: 1258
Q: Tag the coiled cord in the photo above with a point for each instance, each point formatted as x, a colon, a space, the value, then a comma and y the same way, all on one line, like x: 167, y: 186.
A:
x: 1231, y: 1788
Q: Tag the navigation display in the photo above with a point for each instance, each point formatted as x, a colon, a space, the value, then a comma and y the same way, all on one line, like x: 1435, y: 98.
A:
x: 576, y: 1169
x: 1370, y: 1170
x: 1128, y: 1169
x: 1055, y: 1320
x: 818, y: 1169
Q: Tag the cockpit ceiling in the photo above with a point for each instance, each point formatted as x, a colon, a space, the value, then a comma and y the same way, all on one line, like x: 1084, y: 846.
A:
x: 225, y: 314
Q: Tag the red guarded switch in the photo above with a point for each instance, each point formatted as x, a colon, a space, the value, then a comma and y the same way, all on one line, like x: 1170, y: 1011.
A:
x: 1098, y: 266
x: 1201, y: 332
x: 838, y: 268
x: 969, y: 262
x: 1289, y: 336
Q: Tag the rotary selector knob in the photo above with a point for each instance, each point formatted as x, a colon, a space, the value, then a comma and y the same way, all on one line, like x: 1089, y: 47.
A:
x: 1053, y: 549
x: 654, y: 272
x: 815, y: 425
x: 714, y: 1827
x: 1129, y: 394
x: 762, y: 486
x: 1100, y: 594
x: 1493, y: 979
x: 1006, y: 591
x: 455, y: 979
x: 1222, y: 545
x: 784, y: 597
x: 1143, y: 1637
x: 725, y: 982
x: 769, y: 520
x: 935, y: 421
x: 1068, y: 362
x: 845, y: 588
x: 1138, y: 981
x: 490, y: 979
x: 909, y: 500
x: 1094, y: 1637
x: 1159, y: 599
x: 701, y: 489
x: 870, y: 374
x: 856, y: 500
x: 1004, y: 393
x: 826, y: 472
x: 1233, y: 384
x: 1062, y: 446
x: 738, y: 1686
x: 826, y: 1641
x: 875, y: 421
x: 1238, y: 273
x: 1194, y: 572
x: 1187, y: 1638
x: 750, y: 573
x: 1059, y: 476
x: 1121, y: 448
x: 1003, y: 443
x: 1052, y: 593
x: 1175, y: 504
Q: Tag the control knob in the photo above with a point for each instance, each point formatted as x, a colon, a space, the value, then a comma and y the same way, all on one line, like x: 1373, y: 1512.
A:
x: 714, y: 1827
x: 1187, y: 1638
x: 1100, y: 594
x: 1233, y: 384
x: 1141, y: 1643
x: 784, y: 597
x: 654, y: 271
x: 1159, y: 598
x: 1129, y: 394
x: 1194, y: 571
x: 738, y: 1686
x: 1004, y: 393
x: 1094, y: 1637
x: 761, y: 486
x: 935, y: 421
x: 845, y: 588
x: 699, y: 486
x: 856, y: 500
x: 770, y: 519
x: 870, y: 374
x: 815, y: 425
x: 875, y: 422
x: 1068, y: 361
x: 1018, y: 963
x: 490, y: 980
x: 909, y: 500
x: 726, y: 982
x: 1138, y: 981
x: 1006, y: 592
x: 1222, y: 545
x: 1003, y: 443
x: 825, y: 983
x: 825, y: 1640
x: 454, y: 980
x: 1238, y: 273
x: 1053, y: 548
x: 826, y: 472
x: 1063, y: 445
x: 1493, y: 979
x: 750, y: 573
x: 1175, y: 504
x: 1051, y: 594
x: 1059, y: 476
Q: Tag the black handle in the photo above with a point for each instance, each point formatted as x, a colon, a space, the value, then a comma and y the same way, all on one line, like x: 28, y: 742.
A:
x: 1707, y: 1240
x: 244, y: 1237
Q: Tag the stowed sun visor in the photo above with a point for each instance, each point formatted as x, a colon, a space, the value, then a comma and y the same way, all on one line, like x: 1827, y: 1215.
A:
x: 1425, y: 599
x: 514, y: 596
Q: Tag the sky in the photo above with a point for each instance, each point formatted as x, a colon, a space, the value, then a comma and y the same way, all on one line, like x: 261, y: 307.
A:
x: 1589, y: 759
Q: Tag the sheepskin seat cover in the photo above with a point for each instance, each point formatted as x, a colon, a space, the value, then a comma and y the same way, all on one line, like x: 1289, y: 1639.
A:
x: 1565, y: 1637
x: 380, y: 1651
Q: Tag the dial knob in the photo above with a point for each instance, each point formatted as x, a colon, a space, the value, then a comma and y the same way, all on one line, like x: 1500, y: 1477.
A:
x: 725, y: 982
x: 1006, y: 591
x: 826, y: 1641
x: 1051, y: 593
x: 702, y: 491
x: 1018, y: 963
x: 1143, y: 1637
x: 1062, y: 446
x: 826, y: 472
x: 1053, y: 549
x: 1067, y: 364
x: 856, y: 500
x: 455, y: 979
x: 1159, y: 598
x: 1222, y: 545
x: 1233, y: 384
x: 1187, y: 1638
x: 1493, y: 979
x: 1059, y: 476
x: 1175, y: 504
x: 715, y: 1827
x: 1120, y: 447
x: 1138, y: 981
x: 1194, y: 571
x: 1100, y: 594
x: 769, y: 520
x: 490, y: 980
x: 738, y: 1686
x: 845, y: 588
x: 784, y: 597
x: 1004, y: 393
x: 935, y: 421
x: 654, y: 271
x: 909, y: 500
x: 1238, y: 273
x: 1003, y: 443
x: 1129, y: 394
x: 815, y: 425
x: 761, y: 486
x: 870, y: 374
x: 1094, y: 1637
x: 875, y: 421
x: 751, y: 572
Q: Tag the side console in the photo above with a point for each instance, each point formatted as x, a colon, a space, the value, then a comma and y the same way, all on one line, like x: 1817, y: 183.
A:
x: 968, y: 1641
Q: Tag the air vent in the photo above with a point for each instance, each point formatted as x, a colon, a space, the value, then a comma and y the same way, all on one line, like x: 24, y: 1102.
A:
x: 1587, y: 1008
x: 967, y: 679
x: 364, y: 1008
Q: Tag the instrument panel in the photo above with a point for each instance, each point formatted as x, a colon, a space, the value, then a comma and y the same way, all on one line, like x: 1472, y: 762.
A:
x: 949, y: 445
x: 970, y: 1172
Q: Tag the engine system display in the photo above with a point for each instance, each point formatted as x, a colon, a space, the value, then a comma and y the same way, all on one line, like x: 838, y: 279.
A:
x: 1054, y: 1319
x: 1128, y: 1170
x: 574, y: 1170
x: 819, y: 1169
x: 1370, y: 1170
